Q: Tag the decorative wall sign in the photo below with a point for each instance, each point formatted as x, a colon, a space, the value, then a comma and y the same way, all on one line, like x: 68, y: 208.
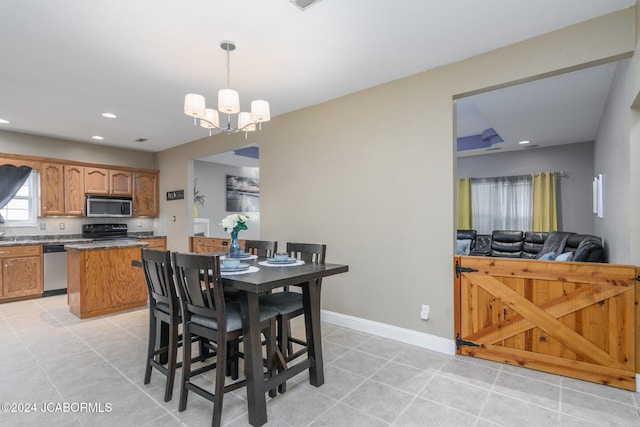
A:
x: 175, y: 195
x: 243, y: 194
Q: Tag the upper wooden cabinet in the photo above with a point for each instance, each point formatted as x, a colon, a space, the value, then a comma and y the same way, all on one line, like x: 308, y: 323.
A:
x: 74, y: 190
x: 107, y: 181
x: 52, y: 189
x: 61, y: 190
x: 146, y: 201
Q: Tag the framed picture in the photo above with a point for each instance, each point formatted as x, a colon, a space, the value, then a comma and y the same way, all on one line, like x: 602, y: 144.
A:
x: 243, y: 194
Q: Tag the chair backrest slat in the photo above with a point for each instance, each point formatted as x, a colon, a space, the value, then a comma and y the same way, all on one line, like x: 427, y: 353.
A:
x: 307, y: 252
x: 261, y: 248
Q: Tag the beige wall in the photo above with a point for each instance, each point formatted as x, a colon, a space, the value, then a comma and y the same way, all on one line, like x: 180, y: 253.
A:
x: 634, y: 149
x: 372, y: 174
x: 33, y: 145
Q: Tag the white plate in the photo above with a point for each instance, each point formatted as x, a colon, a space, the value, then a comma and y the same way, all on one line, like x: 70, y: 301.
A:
x: 241, y: 267
x: 286, y: 261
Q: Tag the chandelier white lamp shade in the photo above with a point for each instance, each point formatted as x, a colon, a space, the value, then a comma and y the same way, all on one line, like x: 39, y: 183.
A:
x: 228, y: 104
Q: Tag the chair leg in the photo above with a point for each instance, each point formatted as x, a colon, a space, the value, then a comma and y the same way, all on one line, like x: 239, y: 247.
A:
x: 151, y: 346
x: 271, y: 343
x: 233, y: 367
x: 171, y: 363
x: 186, y: 367
x: 282, y: 334
x: 219, y: 387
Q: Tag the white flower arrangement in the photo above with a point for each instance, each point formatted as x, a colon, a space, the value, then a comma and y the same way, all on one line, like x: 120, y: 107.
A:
x: 234, y: 222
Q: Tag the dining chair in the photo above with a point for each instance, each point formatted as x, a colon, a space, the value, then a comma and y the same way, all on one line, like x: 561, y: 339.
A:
x: 288, y: 303
x: 206, y: 314
x: 164, y: 307
x: 261, y: 248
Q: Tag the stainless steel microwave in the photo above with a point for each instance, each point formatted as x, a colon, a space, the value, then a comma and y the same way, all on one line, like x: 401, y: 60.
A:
x: 101, y: 206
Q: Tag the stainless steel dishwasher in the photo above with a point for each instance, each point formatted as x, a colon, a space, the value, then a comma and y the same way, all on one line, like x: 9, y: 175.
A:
x: 54, y: 269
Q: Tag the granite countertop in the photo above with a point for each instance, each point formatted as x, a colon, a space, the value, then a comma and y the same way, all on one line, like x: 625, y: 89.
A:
x: 106, y: 244
x: 68, y: 239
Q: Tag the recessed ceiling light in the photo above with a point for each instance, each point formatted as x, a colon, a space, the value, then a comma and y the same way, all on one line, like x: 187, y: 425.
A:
x: 4, y: 122
x: 524, y: 142
x: 109, y: 115
x: 97, y: 137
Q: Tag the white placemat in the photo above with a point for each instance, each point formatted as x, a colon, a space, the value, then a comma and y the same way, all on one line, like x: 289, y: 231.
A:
x: 251, y: 269
x: 280, y: 264
x: 242, y: 258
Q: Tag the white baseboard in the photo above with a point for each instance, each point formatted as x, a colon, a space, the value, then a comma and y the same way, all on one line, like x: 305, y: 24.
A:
x: 428, y: 341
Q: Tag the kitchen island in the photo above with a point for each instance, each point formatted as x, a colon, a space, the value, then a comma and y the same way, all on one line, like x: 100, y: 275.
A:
x: 101, y: 279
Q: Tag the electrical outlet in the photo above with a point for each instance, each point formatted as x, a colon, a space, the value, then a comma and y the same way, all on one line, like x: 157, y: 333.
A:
x: 43, y: 226
x: 425, y: 312
x: 61, y: 226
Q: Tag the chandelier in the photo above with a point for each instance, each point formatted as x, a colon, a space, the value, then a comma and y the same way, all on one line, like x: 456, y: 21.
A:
x: 228, y: 104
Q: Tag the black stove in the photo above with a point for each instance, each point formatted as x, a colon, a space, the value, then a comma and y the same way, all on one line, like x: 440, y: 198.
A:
x: 101, y: 232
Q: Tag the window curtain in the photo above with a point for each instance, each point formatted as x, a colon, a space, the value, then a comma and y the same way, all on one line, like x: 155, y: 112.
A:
x: 502, y: 203
x: 11, y: 179
x: 545, y: 216
x: 464, y: 204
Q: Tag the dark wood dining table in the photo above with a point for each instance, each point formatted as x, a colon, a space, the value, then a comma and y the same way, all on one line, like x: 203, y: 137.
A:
x: 308, y: 277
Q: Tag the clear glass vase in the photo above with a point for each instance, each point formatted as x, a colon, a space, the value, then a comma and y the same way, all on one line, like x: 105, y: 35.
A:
x: 234, y: 246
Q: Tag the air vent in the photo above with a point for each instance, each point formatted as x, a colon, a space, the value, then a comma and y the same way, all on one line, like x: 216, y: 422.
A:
x: 530, y: 146
x: 304, y: 4
x: 140, y: 140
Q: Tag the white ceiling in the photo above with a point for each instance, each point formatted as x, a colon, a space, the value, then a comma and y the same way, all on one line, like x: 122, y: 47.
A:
x: 64, y: 62
x: 563, y: 109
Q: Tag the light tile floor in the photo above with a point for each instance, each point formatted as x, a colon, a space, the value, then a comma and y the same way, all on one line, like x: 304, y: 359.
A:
x: 49, y: 357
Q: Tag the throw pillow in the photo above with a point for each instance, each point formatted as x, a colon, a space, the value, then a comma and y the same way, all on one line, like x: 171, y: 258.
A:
x: 463, y: 247
x: 549, y: 256
x: 567, y: 256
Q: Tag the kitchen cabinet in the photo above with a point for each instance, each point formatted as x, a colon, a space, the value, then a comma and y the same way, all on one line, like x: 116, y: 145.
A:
x: 102, y: 280
x: 111, y: 182
x: 20, y: 272
x: 157, y: 243
x: 198, y: 244
x: 61, y: 190
x: 74, y: 190
x: 52, y: 189
x: 146, y: 200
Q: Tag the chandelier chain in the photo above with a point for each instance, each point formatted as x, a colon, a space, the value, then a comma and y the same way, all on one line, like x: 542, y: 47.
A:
x: 228, y: 69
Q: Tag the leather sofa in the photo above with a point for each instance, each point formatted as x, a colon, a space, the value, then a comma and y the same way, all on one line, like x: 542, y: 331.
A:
x: 533, y: 245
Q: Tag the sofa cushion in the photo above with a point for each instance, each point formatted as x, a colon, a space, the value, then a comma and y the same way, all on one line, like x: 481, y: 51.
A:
x: 533, y: 241
x: 549, y: 256
x: 507, y: 243
x: 566, y: 256
x: 467, y: 235
x: 463, y: 247
x: 589, y: 250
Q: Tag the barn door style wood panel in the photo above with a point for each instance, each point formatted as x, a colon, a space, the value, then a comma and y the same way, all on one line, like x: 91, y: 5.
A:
x: 567, y: 318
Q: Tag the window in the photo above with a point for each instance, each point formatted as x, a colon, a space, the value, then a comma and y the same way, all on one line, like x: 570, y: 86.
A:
x: 503, y: 203
x: 22, y: 210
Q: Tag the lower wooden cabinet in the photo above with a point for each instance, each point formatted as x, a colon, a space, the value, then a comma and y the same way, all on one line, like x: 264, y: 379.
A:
x: 199, y: 245
x: 21, y: 272
x: 103, y: 280
x: 157, y: 243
